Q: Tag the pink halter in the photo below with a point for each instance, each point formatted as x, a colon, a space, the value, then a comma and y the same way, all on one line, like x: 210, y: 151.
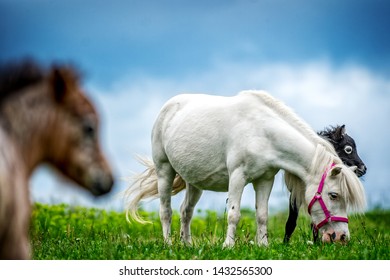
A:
x: 318, y: 197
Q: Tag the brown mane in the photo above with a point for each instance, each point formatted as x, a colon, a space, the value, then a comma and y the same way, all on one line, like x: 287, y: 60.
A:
x: 16, y: 75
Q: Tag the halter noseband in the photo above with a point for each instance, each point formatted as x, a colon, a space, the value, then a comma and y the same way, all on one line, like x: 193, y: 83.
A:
x: 318, y: 197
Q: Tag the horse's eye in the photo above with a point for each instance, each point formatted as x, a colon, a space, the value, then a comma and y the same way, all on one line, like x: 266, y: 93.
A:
x: 88, y: 131
x: 333, y: 195
x: 348, y: 149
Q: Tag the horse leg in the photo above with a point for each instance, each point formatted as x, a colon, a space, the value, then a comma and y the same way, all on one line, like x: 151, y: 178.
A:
x: 186, y: 211
x: 262, y: 191
x: 165, y: 175
x: 236, y: 187
x: 315, y: 233
x: 291, y: 220
x: 14, y: 243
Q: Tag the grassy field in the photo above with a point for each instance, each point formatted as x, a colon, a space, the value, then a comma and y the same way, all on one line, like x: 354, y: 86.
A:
x: 74, y: 233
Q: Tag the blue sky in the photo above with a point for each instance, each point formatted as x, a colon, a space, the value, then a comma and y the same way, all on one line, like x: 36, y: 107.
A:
x: 328, y: 60
x: 167, y: 38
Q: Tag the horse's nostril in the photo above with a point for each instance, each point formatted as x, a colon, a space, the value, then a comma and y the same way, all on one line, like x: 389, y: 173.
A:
x: 333, y: 236
x: 343, y: 237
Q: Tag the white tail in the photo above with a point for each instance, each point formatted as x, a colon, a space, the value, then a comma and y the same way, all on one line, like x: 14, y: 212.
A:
x: 144, y: 186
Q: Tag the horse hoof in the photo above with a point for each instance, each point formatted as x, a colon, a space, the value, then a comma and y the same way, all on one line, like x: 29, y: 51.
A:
x: 227, y: 244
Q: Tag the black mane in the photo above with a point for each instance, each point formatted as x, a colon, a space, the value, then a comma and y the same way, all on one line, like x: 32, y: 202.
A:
x: 329, y: 132
x: 17, y: 75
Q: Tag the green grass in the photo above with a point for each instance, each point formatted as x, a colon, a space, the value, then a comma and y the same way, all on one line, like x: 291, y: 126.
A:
x: 74, y: 233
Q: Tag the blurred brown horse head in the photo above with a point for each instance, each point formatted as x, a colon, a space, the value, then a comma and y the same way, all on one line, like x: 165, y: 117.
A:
x: 44, y: 117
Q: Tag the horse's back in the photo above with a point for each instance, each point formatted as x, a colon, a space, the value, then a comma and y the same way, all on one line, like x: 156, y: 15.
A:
x: 211, y: 113
x: 213, y: 108
x: 197, y: 117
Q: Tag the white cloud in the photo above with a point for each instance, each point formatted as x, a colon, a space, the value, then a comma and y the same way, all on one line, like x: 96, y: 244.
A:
x: 322, y: 94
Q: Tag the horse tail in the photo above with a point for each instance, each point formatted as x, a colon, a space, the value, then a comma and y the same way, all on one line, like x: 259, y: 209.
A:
x: 144, y: 186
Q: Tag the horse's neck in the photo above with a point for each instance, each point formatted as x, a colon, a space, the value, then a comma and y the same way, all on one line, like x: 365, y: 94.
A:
x: 289, y: 116
x: 26, y: 118
x: 293, y: 152
x: 308, y: 159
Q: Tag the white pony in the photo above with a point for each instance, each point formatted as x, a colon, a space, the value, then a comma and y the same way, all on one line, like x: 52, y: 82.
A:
x: 204, y: 142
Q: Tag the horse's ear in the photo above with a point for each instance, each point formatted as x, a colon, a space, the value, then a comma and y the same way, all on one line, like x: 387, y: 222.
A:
x: 335, y: 171
x: 343, y: 130
x: 339, y: 133
x: 58, y: 83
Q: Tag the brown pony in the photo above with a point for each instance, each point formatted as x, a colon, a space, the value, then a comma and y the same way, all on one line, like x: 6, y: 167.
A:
x: 44, y: 117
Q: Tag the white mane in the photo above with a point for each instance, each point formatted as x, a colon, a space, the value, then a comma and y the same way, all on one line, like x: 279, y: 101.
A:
x: 288, y: 114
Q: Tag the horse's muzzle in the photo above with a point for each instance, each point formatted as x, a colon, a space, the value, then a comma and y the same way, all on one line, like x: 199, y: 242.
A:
x: 102, y: 185
x: 332, y: 236
x: 361, y: 170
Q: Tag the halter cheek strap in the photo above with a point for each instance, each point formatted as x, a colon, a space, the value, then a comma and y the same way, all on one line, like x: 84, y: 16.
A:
x: 318, y: 197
